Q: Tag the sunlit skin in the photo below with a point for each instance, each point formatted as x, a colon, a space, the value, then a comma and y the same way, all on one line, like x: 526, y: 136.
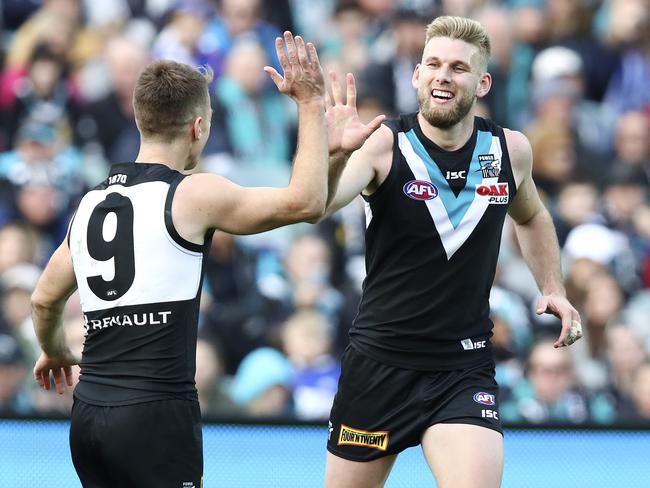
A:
x: 454, y: 69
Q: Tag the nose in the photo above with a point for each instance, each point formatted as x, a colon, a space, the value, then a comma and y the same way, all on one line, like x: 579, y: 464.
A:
x: 443, y: 74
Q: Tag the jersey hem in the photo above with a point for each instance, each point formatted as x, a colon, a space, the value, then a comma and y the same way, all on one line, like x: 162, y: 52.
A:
x: 484, y: 358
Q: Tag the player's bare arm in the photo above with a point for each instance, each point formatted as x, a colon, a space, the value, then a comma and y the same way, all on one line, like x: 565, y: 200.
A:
x: 363, y: 171
x: 54, y: 288
x: 206, y: 201
x: 538, y: 241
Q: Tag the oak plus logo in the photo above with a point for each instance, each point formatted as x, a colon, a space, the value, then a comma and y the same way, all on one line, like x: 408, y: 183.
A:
x: 496, y: 194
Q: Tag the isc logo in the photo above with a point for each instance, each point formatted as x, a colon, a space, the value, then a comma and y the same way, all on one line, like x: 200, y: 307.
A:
x: 490, y: 414
x: 456, y: 175
x: 420, y: 190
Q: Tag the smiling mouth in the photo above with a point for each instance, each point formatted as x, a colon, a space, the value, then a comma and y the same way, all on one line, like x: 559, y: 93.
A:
x: 442, y: 95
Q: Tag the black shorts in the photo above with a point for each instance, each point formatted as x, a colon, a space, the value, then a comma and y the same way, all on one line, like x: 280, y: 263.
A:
x: 155, y: 444
x: 381, y: 410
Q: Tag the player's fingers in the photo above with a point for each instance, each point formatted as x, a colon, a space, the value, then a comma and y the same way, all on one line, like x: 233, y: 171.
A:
x: 38, y: 377
x: 302, y: 53
x: 565, y: 317
x: 291, y: 48
x: 45, y: 373
x: 337, y: 92
x: 313, y: 56
x: 275, y: 76
x: 58, y: 380
x: 68, y: 375
x: 542, y: 305
x: 374, y: 124
x: 351, y: 90
x: 282, y: 55
x: 328, y: 100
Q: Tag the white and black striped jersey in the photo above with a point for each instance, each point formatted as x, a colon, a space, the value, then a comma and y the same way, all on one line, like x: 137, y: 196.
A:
x: 139, y: 282
x: 432, y: 240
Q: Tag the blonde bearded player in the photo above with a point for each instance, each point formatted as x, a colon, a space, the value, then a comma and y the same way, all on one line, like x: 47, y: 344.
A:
x: 437, y: 185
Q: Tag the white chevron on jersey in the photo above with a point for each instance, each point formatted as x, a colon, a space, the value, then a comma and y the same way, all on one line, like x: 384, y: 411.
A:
x: 164, y: 270
x: 452, y: 238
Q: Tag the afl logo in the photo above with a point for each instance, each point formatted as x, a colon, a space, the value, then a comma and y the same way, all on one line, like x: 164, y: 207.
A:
x: 484, y: 398
x: 420, y: 190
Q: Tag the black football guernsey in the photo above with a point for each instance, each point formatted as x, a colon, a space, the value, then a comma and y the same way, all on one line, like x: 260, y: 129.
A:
x: 433, y: 230
x: 139, y: 283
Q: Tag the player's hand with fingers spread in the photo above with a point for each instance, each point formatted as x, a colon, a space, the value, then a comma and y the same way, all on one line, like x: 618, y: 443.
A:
x: 559, y: 306
x: 61, y: 368
x: 302, y: 79
x: 345, y: 132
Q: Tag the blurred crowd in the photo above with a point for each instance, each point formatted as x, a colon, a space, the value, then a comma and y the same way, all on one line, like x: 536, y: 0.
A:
x: 573, y: 75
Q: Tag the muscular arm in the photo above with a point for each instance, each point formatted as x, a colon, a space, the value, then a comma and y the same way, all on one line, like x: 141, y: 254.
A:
x: 537, y: 237
x: 54, y: 288
x: 363, y: 171
x: 207, y: 201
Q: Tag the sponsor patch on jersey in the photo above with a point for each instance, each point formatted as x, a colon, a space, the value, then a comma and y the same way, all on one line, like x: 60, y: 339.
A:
x: 356, y: 437
x: 496, y: 194
x: 484, y: 398
x: 420, y: 190
x: 490, y: 165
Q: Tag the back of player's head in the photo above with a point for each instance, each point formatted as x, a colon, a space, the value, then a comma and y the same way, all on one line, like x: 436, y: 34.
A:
x: 464, y: 29
x: 168, y: 96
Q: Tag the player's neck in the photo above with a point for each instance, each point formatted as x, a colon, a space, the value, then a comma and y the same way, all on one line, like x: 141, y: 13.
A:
x: 173, y: 155
x: 448, y: 139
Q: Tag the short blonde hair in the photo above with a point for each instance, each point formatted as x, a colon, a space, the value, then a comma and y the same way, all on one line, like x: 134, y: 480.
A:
x: 464, y: 29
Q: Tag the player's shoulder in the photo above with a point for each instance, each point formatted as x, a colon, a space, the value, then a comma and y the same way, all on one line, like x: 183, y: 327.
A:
x: 519, y: 147
x: 380, y: 141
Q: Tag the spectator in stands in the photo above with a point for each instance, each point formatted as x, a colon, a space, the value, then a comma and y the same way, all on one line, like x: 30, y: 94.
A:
x: 113, y: 121
x: 210, y: 381
x: 18, y: 244
x: 261, y: 386
x: 237, y: 19
x: 44, y: 93
x: 641, y: 392
x: 252, y: 122
x: 307, y: 341
x: 13, y: 370
x: 624, y: 356
x: 549, y: 393
x: 389, y: 79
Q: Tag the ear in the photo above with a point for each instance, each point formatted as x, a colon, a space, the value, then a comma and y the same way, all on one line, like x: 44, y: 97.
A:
x: 484, y: 85
x: 416, y: 76
x: 197, y: 130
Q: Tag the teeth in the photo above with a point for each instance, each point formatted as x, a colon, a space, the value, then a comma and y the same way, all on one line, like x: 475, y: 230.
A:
x: 443, y: 94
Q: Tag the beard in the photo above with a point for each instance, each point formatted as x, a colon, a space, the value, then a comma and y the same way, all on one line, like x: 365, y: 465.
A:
x: 444, y: 117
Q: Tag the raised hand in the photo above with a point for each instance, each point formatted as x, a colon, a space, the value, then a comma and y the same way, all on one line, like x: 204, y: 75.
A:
x: 345, y: 132
x: 302, y: 79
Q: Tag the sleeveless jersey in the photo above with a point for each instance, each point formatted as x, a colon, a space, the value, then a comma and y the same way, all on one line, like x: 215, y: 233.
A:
x: 139, y: 282
x: 433, y: 230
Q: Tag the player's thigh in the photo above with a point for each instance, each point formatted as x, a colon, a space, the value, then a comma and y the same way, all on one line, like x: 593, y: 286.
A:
x: 464, y: 455
x: 343, y: 473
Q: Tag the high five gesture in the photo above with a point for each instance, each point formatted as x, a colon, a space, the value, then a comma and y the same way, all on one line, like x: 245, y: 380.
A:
x: 345, y: 132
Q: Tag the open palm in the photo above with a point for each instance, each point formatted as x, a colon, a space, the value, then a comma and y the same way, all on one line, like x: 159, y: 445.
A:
x: 345, y: 132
